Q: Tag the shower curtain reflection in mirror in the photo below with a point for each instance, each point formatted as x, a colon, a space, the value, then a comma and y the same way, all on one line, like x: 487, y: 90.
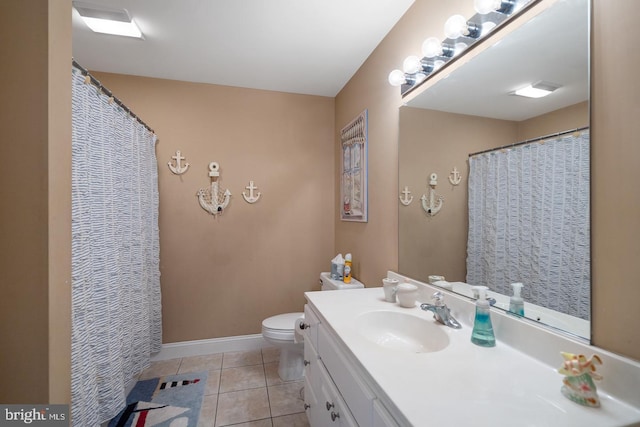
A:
x: 529, y: 222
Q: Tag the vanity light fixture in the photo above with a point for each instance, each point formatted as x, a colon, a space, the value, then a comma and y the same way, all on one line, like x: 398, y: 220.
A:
x: 461, y: 33
x: 107, y: 20
x: 537, y: 90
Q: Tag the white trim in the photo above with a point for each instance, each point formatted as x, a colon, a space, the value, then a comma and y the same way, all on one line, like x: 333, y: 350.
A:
x: 210, y: 346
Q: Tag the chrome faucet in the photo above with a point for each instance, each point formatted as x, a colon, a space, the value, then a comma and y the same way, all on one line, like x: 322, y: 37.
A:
x: 440, y: 311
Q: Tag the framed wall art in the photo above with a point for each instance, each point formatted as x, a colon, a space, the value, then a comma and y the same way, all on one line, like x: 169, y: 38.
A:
x: 353, y: 186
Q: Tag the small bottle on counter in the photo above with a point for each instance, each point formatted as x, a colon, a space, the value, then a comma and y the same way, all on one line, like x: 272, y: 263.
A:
x: 347, y: 269
x: 482, y: 333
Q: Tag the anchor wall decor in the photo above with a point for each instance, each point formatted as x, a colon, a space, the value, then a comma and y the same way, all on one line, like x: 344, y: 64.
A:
x: 212, y: 199
x: 178, y: 169
x: 251, y: 198
x: 454, y: 176
x: 406, y: 198
x: 433, y: 203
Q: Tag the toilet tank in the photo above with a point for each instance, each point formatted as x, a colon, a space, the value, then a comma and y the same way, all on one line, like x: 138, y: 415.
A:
x: 329, y: 284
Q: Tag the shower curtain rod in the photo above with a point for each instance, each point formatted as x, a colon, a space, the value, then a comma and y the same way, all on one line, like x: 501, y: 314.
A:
x: 107, y: 92
x: 530, y: 141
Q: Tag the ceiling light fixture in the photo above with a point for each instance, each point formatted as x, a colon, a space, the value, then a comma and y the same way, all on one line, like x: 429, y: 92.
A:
x: 537, y: 90
x: 106, y: 20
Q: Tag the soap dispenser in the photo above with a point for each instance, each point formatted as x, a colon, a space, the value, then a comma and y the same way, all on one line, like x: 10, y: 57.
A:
x: 516, y: 303
x: 482, y: 333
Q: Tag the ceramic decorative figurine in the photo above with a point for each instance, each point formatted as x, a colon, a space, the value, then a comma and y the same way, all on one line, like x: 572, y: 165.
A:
x: 579, y: 373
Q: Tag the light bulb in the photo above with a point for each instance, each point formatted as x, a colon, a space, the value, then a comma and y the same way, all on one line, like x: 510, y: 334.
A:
x: 411, y: 64
x: 438, y: 64
x: 431, y: 47
x: 455, y: 26
x: 487, y: 27
x: 486, y: 6
x: 396, y: 78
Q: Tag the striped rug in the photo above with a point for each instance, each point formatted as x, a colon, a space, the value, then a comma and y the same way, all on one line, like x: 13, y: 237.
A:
x: 172, y: 400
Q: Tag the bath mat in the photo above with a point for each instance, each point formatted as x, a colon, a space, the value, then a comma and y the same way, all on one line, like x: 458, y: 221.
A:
x: 172, y: 400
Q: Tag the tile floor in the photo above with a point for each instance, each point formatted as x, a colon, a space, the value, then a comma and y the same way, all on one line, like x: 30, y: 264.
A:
x: 243, y: 389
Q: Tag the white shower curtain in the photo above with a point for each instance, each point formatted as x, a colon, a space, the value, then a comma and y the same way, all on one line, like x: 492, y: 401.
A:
x: 529, y: 222
x: 116, y: 318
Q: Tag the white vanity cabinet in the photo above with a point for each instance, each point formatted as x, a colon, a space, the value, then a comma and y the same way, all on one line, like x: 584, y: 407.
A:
x: 336, y: 392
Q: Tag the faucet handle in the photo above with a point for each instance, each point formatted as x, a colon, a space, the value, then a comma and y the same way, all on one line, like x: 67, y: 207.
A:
x: 438, y: 299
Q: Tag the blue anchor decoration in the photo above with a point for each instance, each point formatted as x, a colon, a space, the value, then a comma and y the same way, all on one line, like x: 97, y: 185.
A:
x: 212, y: 199
x: 435, y: 200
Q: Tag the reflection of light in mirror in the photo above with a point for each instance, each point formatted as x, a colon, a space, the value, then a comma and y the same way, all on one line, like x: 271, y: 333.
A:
x: 487, y: 27
x: 537, y: 90
x: 460, y: 47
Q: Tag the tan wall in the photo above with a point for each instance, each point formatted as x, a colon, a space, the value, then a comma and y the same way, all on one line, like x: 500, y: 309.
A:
x: 436, y: 142
x: 614, y: 108
x: 223, y: 276
x: 374, y: 244
x: 615, y: 209
x: 571, y: 117
x: 35, y: 191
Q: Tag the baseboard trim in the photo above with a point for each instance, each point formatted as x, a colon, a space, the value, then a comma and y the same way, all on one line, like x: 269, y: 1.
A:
x: 210, y: 346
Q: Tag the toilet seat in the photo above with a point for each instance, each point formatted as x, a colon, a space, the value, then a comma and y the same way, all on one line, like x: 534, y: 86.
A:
x: 280, y: 327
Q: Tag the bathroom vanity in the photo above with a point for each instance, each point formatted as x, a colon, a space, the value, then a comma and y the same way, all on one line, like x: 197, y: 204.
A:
x: 369, y: 362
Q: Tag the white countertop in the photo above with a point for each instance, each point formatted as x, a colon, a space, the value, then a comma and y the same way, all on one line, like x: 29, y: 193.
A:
x: 464, y: 384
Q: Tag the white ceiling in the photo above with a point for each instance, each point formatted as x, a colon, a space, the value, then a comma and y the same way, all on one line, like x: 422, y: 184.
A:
x: 299, y: 46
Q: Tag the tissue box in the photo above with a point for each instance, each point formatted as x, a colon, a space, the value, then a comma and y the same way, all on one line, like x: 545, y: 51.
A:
x: 337, y: 271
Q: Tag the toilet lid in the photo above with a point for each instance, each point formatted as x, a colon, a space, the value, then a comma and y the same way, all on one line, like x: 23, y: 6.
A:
x: 283, y: 322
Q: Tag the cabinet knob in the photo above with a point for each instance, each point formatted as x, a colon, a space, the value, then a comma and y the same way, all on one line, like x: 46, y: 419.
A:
x: 334, y: 416
x: 306, y: 362
x: 306, y: 406
x: 330, y: 405
x: 304, y: 326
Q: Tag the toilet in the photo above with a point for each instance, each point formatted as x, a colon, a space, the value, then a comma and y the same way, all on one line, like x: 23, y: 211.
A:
x: 279, y: 331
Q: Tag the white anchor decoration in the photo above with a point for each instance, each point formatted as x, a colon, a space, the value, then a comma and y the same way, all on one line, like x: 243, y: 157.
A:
x: 178, y: 169
x: 213, y: 200
x: 435, y: 200
x: 251, y: 198
x: 406, y: 198
x: 455, y: 177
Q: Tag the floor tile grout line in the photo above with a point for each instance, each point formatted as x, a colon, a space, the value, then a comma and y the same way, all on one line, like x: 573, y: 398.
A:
x: 264, y: 370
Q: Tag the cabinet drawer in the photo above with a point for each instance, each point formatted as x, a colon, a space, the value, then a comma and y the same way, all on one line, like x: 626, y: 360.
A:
x: 311, y: 323
x: 358, y: 396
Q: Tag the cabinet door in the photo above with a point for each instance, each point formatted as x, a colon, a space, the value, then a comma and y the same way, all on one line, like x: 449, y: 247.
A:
x: 336, y: 411
x: 315, y: 412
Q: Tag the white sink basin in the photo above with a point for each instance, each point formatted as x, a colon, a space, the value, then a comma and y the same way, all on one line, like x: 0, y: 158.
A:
x: 403, y: 332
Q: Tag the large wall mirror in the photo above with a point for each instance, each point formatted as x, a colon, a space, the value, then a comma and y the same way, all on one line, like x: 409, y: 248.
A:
x: 474, y: 110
